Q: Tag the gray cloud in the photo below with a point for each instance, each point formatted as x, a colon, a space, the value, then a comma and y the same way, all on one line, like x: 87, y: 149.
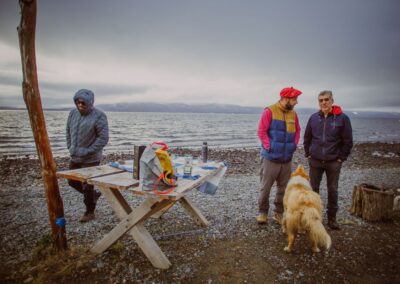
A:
x: 60, y: 94
x: 348, y: 46
x: 99, y: 88
x: 10, y: 80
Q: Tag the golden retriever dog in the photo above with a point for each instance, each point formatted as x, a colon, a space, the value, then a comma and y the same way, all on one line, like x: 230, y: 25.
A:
x: 303, y: 212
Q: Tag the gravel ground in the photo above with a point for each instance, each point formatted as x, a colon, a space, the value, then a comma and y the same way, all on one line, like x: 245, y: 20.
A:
x: 234, y: 248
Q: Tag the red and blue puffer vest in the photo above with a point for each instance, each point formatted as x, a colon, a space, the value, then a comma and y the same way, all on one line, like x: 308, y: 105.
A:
x: 281, y: 133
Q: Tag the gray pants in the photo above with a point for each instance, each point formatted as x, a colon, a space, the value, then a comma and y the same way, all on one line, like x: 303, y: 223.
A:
x: 269, y: 173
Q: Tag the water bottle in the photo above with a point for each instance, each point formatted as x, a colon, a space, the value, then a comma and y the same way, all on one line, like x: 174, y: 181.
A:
x: 204, y: 152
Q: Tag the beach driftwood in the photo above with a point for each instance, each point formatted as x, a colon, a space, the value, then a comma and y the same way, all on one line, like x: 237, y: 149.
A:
x: 30, y: 88
x: 372, y: 203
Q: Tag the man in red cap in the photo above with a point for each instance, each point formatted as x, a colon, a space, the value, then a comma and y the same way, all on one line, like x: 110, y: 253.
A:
x: 279, y: 133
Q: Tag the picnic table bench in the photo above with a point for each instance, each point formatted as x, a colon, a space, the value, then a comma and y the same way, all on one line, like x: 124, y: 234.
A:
x: 111, y: 181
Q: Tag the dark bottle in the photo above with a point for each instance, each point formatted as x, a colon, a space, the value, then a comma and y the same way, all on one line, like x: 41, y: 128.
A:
x: 204, y: 152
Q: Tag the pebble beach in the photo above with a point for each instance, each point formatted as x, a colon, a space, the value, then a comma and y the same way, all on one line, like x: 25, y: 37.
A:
x: 233, y: 248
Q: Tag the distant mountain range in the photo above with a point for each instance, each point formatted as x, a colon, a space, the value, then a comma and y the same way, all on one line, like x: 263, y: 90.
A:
x: 209, y: 108
x: 180, y: 107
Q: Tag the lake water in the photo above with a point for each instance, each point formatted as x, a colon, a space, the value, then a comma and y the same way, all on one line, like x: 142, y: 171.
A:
x: 176, y: 129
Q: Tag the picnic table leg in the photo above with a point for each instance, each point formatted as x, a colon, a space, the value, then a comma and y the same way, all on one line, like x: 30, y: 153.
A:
x: 139, y: 214
x: 194, y: 212
x: 164, y: 210
x: 139, y: 233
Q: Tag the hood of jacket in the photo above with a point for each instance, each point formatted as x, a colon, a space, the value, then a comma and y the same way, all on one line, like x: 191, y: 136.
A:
x: 336, y: 110
x: 87, y: 96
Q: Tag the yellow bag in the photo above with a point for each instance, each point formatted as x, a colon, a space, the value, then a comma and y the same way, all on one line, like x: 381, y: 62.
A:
x: 169, y: 176
x: 156, y: 170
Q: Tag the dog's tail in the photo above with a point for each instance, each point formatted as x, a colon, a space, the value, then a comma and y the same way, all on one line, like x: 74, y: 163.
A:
x: 313, y: 223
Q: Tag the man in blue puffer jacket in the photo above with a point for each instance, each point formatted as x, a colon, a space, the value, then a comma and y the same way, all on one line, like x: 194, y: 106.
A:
x: 279, y: 133
x: 328, y: 140
x: 87, y: 134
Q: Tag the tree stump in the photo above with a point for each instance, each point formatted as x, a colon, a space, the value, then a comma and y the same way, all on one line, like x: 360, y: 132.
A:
x: 372, y: 203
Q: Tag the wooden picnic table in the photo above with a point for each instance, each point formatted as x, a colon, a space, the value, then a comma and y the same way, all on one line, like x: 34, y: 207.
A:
x: 111, y: 181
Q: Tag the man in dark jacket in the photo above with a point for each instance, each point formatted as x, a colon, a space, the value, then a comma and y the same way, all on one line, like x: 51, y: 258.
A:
x: 328, y: 140
x: 279, y: 133
x: 87, y: 134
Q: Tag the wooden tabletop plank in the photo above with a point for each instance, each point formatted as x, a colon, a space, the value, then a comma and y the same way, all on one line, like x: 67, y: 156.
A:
x: 107, y: 176
x: 184, y: 185
x: 120, y: 181
x: 84, y: 174
x: 190, y: 184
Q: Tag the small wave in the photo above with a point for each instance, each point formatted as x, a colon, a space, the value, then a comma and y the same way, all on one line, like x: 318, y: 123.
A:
x: 12, y: 138
x: 189, y: 130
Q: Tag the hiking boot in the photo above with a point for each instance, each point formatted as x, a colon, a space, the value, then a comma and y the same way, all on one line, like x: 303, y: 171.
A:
x: 88, y: 216
x: 333, y: 224
x: 278, y: 218
x: 262, y: 218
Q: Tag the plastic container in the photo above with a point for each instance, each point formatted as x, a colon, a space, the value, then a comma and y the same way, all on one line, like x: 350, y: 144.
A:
x: 187, y: 168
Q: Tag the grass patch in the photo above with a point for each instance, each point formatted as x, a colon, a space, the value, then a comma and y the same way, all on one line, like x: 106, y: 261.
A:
x: 117, y: 247
x: 43, y: 248
x: 47, y: 265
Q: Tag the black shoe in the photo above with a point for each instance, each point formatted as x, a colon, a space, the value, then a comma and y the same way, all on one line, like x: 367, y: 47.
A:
x: 333, y: 224
x: 88, y: 216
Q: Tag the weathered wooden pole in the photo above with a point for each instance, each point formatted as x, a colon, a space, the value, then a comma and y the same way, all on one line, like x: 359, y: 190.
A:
x: 30, y: 88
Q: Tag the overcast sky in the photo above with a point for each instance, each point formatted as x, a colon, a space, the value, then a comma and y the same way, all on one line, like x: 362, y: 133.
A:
x: 208, y: 51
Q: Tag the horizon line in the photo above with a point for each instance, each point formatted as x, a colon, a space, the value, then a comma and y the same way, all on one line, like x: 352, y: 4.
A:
x: 353, y: 111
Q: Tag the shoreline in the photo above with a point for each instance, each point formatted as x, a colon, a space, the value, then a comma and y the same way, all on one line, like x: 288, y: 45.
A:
x: 174, y: 148
x: 26, y: 171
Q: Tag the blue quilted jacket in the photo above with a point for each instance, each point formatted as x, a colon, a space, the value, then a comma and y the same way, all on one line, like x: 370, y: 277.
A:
x: 87, y: 133
x: 328, y: 138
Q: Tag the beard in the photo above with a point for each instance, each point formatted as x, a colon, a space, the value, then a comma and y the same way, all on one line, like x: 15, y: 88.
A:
x: 288, y: 106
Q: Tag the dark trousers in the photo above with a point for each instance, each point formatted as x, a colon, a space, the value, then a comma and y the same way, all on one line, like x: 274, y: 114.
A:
x: 332, y: 171
x: 89, y: 194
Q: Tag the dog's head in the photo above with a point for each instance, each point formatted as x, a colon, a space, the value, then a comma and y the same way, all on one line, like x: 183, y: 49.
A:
x: 300, y: 171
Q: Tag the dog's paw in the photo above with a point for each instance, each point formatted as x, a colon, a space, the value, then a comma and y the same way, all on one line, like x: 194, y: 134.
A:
x: 287, y: 249
x: 316, y: 250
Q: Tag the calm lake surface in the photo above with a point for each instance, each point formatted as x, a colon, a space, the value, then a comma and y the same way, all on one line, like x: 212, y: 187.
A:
x: 176, y: 129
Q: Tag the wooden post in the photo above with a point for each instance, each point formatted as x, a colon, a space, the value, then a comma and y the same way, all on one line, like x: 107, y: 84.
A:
x: 30, y: 88
x: 372, y: 203
x: 137, y: 154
